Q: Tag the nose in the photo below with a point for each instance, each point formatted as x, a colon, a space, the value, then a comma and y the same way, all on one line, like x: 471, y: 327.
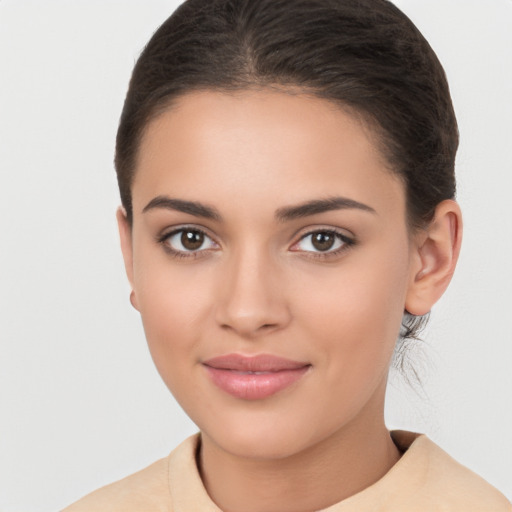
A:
x: 252, y: 301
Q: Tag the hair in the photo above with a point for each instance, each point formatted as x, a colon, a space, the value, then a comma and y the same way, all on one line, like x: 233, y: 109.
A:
x: 363, y: 55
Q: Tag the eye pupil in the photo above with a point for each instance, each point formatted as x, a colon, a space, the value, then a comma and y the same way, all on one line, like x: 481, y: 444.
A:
x: 323, y: 241
x: 192, y: 240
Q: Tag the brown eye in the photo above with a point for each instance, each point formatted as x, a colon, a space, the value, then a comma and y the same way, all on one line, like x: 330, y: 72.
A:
x: 323, y: 241
x: 187, y: 241
x: 192, y: 240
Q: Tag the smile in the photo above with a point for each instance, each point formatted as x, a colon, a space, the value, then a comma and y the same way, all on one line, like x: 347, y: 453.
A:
x: 254, y: 377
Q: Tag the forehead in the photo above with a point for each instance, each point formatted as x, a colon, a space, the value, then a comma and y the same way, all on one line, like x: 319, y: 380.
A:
x: 260, y: 147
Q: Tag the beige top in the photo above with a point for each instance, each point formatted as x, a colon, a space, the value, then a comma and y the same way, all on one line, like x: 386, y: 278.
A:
x: 424, y: 479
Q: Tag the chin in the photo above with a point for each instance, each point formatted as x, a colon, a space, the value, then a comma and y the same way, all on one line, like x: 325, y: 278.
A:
x: 259, y: 446
x: 261, y: 436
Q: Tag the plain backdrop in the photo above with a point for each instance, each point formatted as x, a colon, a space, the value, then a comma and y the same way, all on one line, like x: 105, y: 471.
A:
x: 80, y: 401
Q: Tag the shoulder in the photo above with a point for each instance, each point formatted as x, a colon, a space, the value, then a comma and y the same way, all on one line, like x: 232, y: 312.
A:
x: 146, y: 490
x: 445, y: 484
x: 167, y: 485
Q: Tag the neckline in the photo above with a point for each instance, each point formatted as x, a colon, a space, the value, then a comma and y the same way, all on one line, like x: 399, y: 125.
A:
x: 188, y: 492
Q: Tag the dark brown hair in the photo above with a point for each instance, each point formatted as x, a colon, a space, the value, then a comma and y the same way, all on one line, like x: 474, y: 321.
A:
x: 364, y: 55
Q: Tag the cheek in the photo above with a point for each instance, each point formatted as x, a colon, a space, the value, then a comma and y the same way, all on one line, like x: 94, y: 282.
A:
x: 354, y: 312
x: 173, y: 304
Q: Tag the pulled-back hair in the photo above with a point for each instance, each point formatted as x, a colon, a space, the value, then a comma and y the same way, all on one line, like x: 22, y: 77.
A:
x: 364, y: 55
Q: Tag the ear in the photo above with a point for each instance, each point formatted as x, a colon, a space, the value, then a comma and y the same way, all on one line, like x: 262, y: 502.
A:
x: 435, y: 254
x: 125, y: 235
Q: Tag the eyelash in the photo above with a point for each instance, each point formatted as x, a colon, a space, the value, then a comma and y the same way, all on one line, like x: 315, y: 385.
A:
x: 180, y: 254
x: 347, y: 243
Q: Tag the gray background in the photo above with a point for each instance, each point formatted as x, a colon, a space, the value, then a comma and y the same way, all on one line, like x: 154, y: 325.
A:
x: 80, y: 401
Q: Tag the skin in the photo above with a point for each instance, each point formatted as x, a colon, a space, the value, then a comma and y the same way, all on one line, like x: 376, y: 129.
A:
x: 259, y: 286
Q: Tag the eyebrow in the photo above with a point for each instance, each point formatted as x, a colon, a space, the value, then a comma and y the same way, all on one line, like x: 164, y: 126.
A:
x: 191, y: 207
x: 284, y: 214
x: 315, y: 206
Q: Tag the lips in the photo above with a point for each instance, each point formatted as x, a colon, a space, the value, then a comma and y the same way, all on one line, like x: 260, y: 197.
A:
x: 254, y: 377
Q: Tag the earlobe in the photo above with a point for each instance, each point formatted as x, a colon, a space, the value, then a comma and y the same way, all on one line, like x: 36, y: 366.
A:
x: 125, y: 235
x: 435, y: 256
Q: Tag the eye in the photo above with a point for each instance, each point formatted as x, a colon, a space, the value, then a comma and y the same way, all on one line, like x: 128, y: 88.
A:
x: 186, y: 242
x: 324, y: 243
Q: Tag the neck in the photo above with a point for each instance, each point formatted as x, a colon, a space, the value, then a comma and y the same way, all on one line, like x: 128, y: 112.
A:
x: 348, y: 461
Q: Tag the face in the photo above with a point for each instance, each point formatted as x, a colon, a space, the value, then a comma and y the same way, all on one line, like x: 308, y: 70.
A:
x: 270, y: 261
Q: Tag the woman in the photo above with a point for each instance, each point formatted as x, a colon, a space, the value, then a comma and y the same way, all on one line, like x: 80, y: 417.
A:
x: 286, y: 175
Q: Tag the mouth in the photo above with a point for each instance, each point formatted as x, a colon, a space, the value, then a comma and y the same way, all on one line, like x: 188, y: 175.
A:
x: 254, y: 377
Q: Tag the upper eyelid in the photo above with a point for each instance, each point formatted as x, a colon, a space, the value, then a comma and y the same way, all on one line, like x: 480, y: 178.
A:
x: 348, y: 240
x: 167, y: 232
x: 329, y: 229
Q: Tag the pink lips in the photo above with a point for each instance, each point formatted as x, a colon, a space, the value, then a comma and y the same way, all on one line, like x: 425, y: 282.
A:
x: 254, y: 377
